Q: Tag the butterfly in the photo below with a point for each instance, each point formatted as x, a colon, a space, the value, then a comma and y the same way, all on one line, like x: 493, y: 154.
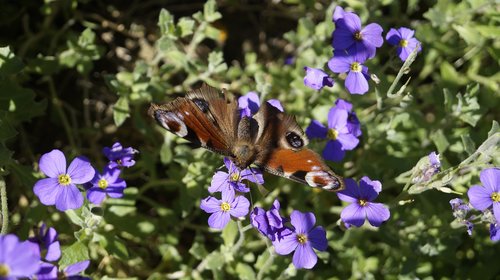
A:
x: 270, y: 139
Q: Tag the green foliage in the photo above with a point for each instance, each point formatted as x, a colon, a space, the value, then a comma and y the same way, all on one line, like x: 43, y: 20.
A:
x: 79, y: 75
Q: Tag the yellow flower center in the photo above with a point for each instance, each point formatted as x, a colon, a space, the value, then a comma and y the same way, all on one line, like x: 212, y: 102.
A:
x: 403, y: 43
x: 64, y: 179
x: 102, y: 183
x: 235, y: 176
x: 4, y: 270
x: 119, y: 161
x: 225, y: 206
x: 363, y: 202
x: 332, y: 133
x: 495, y: 197
x: 357, y: 36
x: 356, y: 67
x: 302, y: 238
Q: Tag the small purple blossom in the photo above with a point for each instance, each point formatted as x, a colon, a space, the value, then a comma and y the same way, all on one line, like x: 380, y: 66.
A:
x: 353, y: 124
x: 18, y: 259
x: 234, y: 177
x: 403, y: 38
x: 60, y: 188
x: 106, y: 184
x: 495, y: 232
x: 357, y: 77
x: 222, y: 210
x: 349, y: 35
x: 362, y: 206
x: 483, y: 197
x: 317, y: 78
x: 341, y: 132
x: 302, y: 238
x: 120, y: 156
x: 269, y: 223
x: 47, y: 240
x: 249, y: 104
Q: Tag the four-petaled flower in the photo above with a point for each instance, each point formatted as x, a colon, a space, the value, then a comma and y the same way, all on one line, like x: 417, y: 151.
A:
x: 233, y: 178
x: 120, y: 156
x: 222, y: 210
x: 249, y: 104
x: 60, y: 188
x: 269, y: 223
x: 483, y: 197
x: 403, y: 38
x: 302, y: 239
x: 362, y: 206
x: 341, y: 132
x: 357, y: 77
x: 47, y: 241
x: 18, y: 259
x: 108, y: 183
x: 351, y: 37
x: 317, y: 78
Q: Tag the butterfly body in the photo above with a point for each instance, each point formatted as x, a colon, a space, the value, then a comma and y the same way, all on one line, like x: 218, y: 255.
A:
x: 270, y: 139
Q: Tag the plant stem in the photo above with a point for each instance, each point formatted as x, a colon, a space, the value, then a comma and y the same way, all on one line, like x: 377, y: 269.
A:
x: 5, y: 209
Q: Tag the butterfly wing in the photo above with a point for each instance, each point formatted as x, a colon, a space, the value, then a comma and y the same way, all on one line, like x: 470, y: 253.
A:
x: 282, y: 151
x: 202, y: 117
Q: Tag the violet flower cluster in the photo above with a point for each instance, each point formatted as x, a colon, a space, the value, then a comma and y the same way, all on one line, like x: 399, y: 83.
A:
x: 353, y: 45
x: 298, y: 236
x: 36, y: 258
x: 342, y: 132
x: 60, y: 188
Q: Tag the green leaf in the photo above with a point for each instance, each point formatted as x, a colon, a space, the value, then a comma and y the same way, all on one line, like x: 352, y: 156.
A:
x: 77, y: 252
x: 440, y: 141
x: 121, y: 110
x: 494, y: 128
x: 210, y: 11
x: 166, y: 24
x: 215, y: 260
x: 229, y: 233
x: 198, y: 251
x: 469, y: 34
x: 185, y: 26
x: 245, y: 271
x: 74, y: 217
x: 9, y: 63
x: 469, y: 145
x: 216, y: 62
x: 16, y: 99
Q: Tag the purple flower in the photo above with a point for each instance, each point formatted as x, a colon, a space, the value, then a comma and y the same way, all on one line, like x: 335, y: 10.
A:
x: 73, y: 271
x: 60, y: 188
x: 302, y: 239
x: 495, y: 232
x: 18, y: 259
x: 350, y: 36
x: 47, y: 241
x: 249, y: 104
x: 233, y: 180
x: 120, y: 156
x: 269, y: 223
x: 483, y: 197
x: 47, y: 271
x: 403, y: 38
x: 317, y: 78
x: 222, y: 210
x: 353, y: 124
x: 104, y: 184
x: 362, y: 206
x: 434, y: 161
x: 341, y: 133
x: 357, y: 78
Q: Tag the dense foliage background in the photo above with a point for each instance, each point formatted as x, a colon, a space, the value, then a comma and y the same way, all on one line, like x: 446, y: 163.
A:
x: 78, y: 75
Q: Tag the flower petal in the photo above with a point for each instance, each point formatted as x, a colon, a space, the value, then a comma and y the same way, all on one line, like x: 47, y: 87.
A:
x: 26, y: 260
x: 406, y: 33
x: 219, y: 181
x: 340, y: 64
x: 286, y: 244
x: 80, y: 170
x: 479, y: 197
x: 367, y: 188
x: 496, y: 211
x: 253, y: 175
x: 333, y: 151
x: 393, y: 37
x: 317, y: 237
x: 96, y: 195
x: 218, y: 220
x: 338, y: 13
x: 372, y: 35
x: 47, y: 271
x: 76, y: 268
x: 337, y: 118
x: 53, y: 252
x: 53, y: 163
x: 303, y: 222
x: 316, y: 78
x: 251, y: 102
x: 239, y: 207
x: 491, y: 179
x: 356, y: 83
x: 351, y: 193
x: 276, y: 104
x: 69, y: 197
x: 353, y: 214
x: 344, y: 105
x: 348, y: 141
x: 210, y: 204
x: 316, y: 130
x: 47, y: 190
x: 304, y: 257
x: 377, y: 213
